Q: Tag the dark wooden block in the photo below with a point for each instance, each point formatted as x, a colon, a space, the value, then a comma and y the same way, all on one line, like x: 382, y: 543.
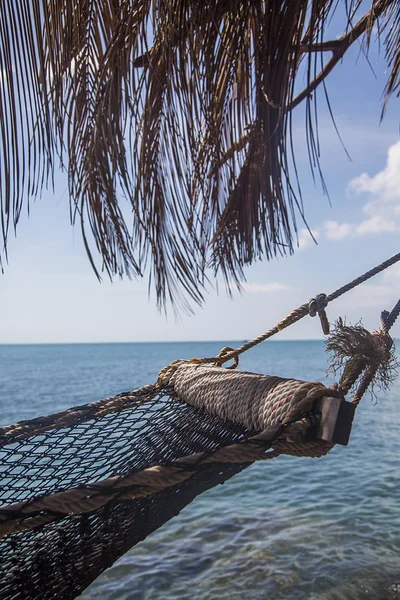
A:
x: 336, y: 419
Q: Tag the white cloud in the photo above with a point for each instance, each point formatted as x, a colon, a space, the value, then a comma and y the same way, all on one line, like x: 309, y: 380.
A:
x: 376, y: 224
x: 386, y: 184
x: 336, y: 231
x: 265, y: 288
x: 305, y: 238
x: 382, y: 212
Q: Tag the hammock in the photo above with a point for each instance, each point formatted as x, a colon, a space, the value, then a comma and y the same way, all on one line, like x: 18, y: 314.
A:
x: 81, y: 487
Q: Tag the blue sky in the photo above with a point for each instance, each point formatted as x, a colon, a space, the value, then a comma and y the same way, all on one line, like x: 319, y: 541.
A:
x: 49, y: 293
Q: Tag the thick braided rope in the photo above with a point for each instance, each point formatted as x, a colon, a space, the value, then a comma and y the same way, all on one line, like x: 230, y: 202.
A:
x: 296, y: 315
x: 351, y: 374
x: 365, y: 382
x: 255, y: 401
x: 306, y: 449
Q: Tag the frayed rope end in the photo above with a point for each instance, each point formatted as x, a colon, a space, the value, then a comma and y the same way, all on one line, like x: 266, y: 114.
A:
x: 355, y: 350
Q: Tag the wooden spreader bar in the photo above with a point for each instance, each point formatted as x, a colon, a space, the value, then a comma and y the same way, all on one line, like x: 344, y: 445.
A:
x: 336, y: 418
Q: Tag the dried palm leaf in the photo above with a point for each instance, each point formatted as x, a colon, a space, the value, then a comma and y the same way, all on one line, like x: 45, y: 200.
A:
x: 173, y: 120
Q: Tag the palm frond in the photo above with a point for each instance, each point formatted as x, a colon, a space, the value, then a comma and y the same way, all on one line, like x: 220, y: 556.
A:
x: 173, y: 120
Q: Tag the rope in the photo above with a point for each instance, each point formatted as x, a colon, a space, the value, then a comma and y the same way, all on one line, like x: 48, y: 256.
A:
x: 389, y: 318
x: 366, y: 381
x: 249, y: 399
x: 317, y: 306
x: 351, y: 375
x: 371, y: 273
x: 383, y: 338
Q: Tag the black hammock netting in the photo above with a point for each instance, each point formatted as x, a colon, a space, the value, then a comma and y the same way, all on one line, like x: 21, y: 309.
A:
x: 62, y: 558
x: 82, y: 487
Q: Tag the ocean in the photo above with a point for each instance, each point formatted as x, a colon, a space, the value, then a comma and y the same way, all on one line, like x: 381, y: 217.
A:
x: 290, y: 528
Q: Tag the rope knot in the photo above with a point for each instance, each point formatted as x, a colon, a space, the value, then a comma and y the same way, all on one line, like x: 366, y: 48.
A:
x: 316, y: 306
x: 226, y: 354
x: 164, y: 376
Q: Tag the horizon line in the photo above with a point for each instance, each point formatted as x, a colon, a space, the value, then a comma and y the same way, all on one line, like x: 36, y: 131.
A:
x: 240, y: 341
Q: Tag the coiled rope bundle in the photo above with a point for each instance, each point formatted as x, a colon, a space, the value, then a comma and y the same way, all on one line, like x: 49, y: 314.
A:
x: 81, y: 487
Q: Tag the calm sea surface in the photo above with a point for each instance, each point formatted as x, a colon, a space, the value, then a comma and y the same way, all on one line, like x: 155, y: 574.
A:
x: 292, y: 528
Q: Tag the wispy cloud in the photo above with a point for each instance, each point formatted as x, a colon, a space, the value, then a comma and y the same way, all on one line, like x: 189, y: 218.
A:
x: 378, y: 296
x: 357, y: 134
x: 376, y: 224
x: 336, y: 231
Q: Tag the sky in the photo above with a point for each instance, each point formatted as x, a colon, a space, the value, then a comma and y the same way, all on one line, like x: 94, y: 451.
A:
x: 49, y: 293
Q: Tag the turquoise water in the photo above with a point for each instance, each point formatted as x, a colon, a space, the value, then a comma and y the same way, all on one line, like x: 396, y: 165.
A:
x: 290, y: 528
